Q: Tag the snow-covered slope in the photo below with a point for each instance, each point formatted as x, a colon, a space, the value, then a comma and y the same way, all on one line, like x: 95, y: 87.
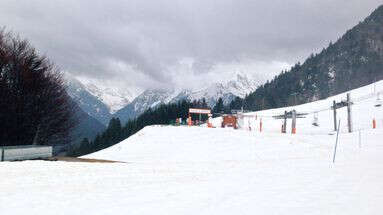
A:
x: 225, y: 171
x: 366, y: 107
x: 200, y: 170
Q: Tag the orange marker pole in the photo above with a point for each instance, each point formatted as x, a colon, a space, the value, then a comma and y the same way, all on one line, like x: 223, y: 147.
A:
x: 294, y: 131
x: 294, y: 122
x: 189, y: 120
x: 374, y: 123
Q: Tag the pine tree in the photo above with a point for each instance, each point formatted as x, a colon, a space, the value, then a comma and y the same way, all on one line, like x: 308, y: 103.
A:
x: 219, y: 106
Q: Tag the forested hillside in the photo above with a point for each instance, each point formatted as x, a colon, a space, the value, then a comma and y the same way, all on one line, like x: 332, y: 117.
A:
x: 355, y: 60
x: 164, y: 114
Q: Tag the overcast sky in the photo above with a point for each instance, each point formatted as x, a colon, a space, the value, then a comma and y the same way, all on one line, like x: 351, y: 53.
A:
x: 184, y: 43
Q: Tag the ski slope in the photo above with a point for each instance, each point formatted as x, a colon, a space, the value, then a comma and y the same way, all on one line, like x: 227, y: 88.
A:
x: 221, y: 171
x: 200, y: 170
x: 364, y: 110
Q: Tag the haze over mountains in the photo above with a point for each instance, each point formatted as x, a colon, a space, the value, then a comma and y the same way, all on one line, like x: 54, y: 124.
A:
x: 105, y: 103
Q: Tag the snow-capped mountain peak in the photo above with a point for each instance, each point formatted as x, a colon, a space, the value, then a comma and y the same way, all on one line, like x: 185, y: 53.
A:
x: 105, y: 102
x: 151, y: 98
x: 241, y: 86
x: 86, y: 101
x: 114, y: 98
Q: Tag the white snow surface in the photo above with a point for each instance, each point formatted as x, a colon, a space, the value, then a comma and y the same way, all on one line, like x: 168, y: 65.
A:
x: 200, y: 170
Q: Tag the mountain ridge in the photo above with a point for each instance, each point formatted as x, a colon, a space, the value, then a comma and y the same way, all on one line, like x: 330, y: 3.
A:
x: 91, y: 98
x: 114, y: 98
x: 86, y: 101
x: 153, y: 97
x: 354, y: 60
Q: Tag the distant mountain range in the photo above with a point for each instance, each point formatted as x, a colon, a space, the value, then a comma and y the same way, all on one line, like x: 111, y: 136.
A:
x: 113, y: 98
x: 89, y: 103
x: 105, y: 103
x: 241, y: 86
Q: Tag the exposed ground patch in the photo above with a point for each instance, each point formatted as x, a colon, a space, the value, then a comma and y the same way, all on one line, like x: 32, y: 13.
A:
x: 87, y: 160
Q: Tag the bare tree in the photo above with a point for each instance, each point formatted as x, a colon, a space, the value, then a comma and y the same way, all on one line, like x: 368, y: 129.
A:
x: 34, y: 105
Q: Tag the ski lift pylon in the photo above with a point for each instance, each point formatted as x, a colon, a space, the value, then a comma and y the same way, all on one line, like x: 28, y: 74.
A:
x: 378, y: 102
x: 315, y: 119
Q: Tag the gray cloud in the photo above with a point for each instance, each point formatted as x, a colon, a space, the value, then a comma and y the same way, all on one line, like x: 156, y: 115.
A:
x: 144, y: 43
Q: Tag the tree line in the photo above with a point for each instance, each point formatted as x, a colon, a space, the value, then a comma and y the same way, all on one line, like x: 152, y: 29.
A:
x: 164, y: 114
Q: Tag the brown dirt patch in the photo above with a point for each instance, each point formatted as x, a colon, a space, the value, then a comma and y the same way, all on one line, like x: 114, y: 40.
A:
x: 86, y: 160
